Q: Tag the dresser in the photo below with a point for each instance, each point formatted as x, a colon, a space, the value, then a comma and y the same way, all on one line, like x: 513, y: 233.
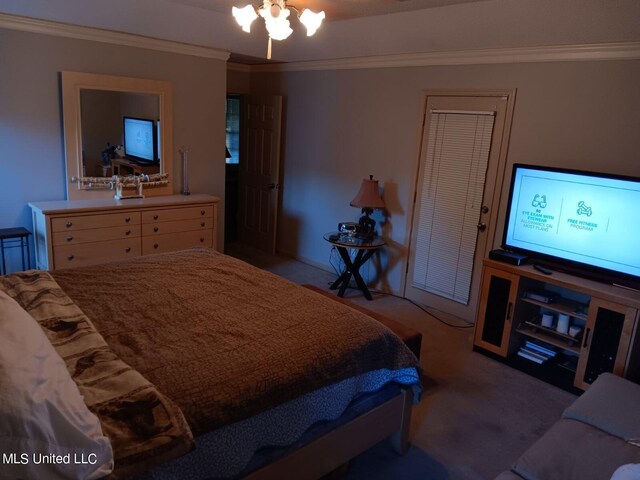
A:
x: 84, y: 232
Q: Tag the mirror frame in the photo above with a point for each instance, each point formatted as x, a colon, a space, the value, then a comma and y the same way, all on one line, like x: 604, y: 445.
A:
x: 72, y: 84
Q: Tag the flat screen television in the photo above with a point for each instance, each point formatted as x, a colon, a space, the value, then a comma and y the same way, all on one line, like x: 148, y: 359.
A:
x: 583, y: 223
x: 140, y: 140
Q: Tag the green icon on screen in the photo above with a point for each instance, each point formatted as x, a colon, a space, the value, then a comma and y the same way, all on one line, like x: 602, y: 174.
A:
x: 583, y: 209
x: 539, y: 201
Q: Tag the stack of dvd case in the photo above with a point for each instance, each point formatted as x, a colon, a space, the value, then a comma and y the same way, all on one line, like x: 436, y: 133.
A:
x: 535, y: 352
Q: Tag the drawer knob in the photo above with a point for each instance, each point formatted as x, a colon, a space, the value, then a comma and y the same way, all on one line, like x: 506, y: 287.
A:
x: 201, y: 212
x: 128, y: 249
x: 69, y: 238
x: 69, y: 224
x: 155, y: 245
x: 202, y: 224
x: 128, y: 232
x: 128, y: 219
x: 70, y: 257
x: 155, y: 229
x: 155, y: 217
x: 201, y: 239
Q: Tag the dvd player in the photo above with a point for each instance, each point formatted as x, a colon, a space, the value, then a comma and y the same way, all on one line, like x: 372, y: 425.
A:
x: 507, y: 257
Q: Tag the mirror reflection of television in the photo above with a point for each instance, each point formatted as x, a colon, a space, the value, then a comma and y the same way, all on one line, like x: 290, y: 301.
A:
x: 583, y: 223
x: 140, y: 140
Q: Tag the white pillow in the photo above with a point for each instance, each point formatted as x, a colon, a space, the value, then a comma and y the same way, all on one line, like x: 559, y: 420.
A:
x: 46, y: 430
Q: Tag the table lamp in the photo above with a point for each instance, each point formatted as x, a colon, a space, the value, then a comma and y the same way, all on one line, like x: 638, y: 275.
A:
x: 368, y: 198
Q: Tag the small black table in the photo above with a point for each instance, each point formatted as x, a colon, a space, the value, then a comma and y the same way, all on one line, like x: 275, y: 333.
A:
x: 14, y: 237
x: 365, y: 247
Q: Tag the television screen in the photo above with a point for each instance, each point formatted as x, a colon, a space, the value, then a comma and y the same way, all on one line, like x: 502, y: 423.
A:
x: 582, y: 219
x: 139, y: 139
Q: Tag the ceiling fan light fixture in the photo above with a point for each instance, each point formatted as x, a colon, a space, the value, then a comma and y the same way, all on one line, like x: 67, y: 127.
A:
x: 277, y: 25
x: 276, y: 18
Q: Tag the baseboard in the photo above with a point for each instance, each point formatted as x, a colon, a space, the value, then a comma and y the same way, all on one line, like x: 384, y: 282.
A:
x: 308, y: 261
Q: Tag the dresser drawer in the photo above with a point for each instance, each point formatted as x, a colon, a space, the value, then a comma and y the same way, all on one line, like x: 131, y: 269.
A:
x: 69, y: 256
x: 176, y: 241
x: 173, y: 214
x: 161, y: 228
x: 95, y: 235
x: 84, y: 222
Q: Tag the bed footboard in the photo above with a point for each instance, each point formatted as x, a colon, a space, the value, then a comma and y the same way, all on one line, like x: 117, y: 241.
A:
x: 328, y: 452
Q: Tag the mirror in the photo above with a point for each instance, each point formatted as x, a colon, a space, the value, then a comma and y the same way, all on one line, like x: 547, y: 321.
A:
x: 101, y: 113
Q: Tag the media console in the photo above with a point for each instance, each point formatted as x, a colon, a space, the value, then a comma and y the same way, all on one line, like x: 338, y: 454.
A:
x: 517, y: 322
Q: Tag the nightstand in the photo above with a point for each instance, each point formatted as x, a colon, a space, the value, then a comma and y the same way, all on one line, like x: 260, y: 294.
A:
x: 365, y: 247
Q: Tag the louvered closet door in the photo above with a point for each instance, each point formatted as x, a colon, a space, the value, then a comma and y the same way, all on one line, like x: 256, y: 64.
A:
x: 456, y: 181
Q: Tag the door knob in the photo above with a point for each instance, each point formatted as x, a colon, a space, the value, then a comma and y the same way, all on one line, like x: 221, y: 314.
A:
x: 484, y: 209
x: 272, y: 186
x: 482, y: 227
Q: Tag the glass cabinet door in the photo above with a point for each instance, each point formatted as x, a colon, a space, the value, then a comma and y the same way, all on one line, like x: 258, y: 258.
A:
x: 606, y: 341
x: 495, y: 312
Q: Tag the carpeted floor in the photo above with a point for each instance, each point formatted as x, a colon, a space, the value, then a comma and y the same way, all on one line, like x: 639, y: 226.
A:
x: 476, y: 415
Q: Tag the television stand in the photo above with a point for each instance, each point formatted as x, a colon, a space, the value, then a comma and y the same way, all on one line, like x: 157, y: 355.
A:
x: 125, y: 166
x: 510, y: 325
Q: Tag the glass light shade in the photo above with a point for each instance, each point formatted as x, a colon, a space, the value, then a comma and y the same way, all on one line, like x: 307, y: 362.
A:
x: 368, y: 196
x: 244, y: 16
x: 278, y: 27
x: 275, y: 10
x: 311, y: 20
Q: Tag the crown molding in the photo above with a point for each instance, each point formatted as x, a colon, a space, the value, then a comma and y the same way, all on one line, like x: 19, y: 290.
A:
x: 33, y: 25
x: 238, y: 67
x: 558, y: 53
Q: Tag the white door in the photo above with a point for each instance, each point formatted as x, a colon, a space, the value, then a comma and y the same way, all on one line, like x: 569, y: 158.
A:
x: 457, y: 195
x: 260, y: 172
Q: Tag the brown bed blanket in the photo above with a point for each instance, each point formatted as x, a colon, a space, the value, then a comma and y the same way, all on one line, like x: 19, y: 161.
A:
x: 225, y: 340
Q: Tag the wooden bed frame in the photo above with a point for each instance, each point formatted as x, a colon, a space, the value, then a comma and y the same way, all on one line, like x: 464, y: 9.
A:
x: 328, y: 452
x: 325, y: 452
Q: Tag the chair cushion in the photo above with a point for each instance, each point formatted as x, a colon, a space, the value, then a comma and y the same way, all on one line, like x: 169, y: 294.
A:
x: 610, y: 404
x: 572, y: 450
x: 412, y: 338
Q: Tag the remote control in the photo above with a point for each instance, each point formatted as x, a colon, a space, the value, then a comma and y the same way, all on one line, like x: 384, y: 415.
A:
x: 542, y: 269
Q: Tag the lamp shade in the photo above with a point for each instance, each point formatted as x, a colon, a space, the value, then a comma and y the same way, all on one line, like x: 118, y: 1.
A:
x: 368, y: 196
x: 244, y: 16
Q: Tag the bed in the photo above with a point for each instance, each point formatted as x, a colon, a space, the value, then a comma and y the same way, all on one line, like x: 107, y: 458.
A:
x: 198, y: 349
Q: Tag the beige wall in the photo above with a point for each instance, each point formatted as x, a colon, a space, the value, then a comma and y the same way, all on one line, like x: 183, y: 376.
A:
x: 32, y: 160
x: 101, y: 122
x: 238, y: 81
x: 344, y: 125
